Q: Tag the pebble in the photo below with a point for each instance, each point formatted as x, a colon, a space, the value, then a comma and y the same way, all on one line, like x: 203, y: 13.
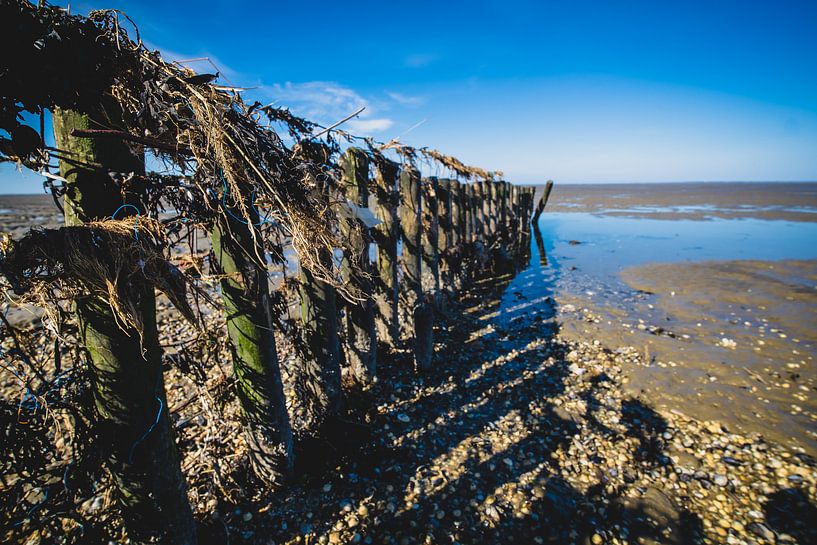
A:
x: 761, y: 530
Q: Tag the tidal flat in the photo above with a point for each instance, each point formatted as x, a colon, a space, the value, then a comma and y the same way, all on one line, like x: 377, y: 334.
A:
x: 714, y: 284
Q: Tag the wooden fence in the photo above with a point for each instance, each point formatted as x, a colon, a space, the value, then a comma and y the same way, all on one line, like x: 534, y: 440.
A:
x: 434, y: 236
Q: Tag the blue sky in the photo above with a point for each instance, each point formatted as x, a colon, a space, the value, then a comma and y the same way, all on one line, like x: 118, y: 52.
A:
x: 573, y: 91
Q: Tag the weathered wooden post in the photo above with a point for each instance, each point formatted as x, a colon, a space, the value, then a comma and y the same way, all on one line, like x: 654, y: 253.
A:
x: 455, y: 252
x: 431, y: 233
x: 543, y: 201
x: 468, y: 210
x: 527, y: 213
x: 320, y: 367
x: 515, y: 218
x: 540, y: 243
x: 488, y: 223
x: 510, y: 215
x: 480, y: 228
x: 411, y: 226
x: 246, y: 297
x: 529, y: 207
x: 494, y: 208
x: 444, y: 236
x: 361, y: 340
x: 524, y: 204
x: 457, y: 212
x: 386, y: 235
x: 499, y: 202
x: 126, y: 374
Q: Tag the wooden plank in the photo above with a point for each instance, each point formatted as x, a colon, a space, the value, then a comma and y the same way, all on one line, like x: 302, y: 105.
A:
x: 357, y: 270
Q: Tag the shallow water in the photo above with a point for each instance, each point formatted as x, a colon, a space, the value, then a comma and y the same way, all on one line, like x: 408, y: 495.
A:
x: 586, y: 252
x: 609, y: 244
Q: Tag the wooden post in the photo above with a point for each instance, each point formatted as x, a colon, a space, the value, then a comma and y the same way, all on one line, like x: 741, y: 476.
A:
x: 361, y: 340
x: 320, y: 367
x: 524, y: 198
x: 494, y: 208
x: 540, y: 244
x: 513, y: 210
x: 488, y: 223
x: 457, y: 214
x: 480, y: 228
x: 126, y: 374
x: 445, y: 235
x: 430, y: 230
x: 246, y: 297
x: 456, y: 251
x: 528, y: 209
x: 468, y: 209
x: 411, y: 225
x: 501, y: 213
x: 543, y: 201
x: 386, y: 235
x: 526, y: 212
x: 510, y: 216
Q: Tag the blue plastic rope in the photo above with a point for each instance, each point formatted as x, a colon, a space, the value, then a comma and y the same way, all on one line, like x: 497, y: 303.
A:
x: 135, y: 230
x: 150, y: 429
x: 252, y: 200
x: 138, y: 215
x: 31, y: 511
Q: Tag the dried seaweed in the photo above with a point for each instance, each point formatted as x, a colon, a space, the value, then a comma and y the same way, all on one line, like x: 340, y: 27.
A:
x: 104, y: 259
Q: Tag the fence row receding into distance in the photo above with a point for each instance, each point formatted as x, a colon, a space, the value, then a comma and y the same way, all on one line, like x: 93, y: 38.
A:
x: 380, y: 250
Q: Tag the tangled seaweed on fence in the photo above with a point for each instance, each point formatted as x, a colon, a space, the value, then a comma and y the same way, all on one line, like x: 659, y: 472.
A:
x: 105, y: 259
x: 198, y: 128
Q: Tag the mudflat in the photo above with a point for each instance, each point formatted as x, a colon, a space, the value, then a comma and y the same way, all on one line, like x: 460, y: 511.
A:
x: 693, y: 200
x: 19, y: 213
x: 732, y: 341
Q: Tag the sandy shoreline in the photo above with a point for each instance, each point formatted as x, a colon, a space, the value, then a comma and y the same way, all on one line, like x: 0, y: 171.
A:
x: 729, y: 340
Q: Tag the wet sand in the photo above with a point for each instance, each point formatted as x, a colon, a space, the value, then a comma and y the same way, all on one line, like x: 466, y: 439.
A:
x: 19, y: 213
x: 694, y: 200
x: 732, y: 341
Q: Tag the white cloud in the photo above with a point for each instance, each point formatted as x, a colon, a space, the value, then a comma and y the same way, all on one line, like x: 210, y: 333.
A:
x: 406, y: 100
x: 200, y: 63
x: 370, y: 125
x: 327, y: 102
